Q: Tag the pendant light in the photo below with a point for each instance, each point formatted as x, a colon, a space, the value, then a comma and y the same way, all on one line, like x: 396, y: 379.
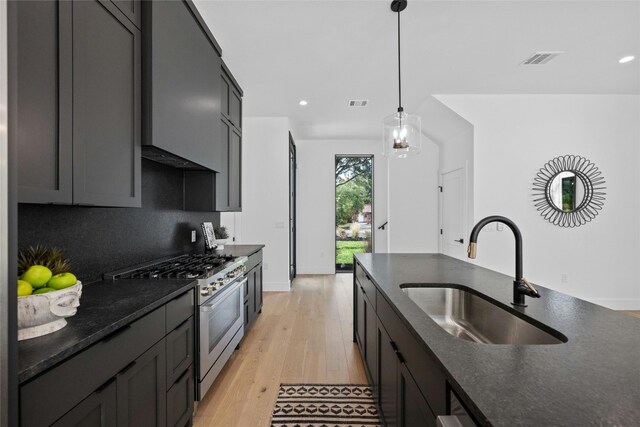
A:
x: 402, y: 133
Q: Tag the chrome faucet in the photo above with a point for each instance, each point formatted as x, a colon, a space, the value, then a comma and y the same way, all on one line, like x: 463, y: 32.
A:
x: 521, y: 286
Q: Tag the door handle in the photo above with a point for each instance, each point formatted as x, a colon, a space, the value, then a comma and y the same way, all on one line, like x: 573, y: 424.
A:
x: 459, y: 241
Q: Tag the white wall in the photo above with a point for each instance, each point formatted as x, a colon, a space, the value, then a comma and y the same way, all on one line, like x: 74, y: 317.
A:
x: 316, y: 200
x: 265, y: 203
x: 515, y: 135
x: 413, y: 201
x: 454, y: 137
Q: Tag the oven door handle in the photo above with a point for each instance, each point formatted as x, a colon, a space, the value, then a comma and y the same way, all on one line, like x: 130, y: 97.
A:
x: 210, y: 307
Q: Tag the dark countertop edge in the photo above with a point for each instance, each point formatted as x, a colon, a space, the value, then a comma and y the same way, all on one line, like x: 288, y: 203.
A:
x: 469, y: 403
x: 54, y: 360
x: 241, y: 249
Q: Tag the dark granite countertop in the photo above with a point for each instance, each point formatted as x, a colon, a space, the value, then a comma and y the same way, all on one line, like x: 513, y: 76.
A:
x: 591, y: 380
x: 104, y: 307
x: 240, y: 250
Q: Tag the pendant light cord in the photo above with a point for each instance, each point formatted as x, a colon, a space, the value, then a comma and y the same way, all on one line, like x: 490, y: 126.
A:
x: 399, y: 74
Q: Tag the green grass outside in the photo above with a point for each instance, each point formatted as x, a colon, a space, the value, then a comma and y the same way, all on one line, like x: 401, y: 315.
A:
x: 346, y: 249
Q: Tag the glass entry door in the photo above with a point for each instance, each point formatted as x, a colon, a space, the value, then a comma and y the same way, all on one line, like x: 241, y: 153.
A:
x: 354, y: 208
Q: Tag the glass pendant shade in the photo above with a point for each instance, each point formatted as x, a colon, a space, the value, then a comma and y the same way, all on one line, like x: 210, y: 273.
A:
x: 401, y: 135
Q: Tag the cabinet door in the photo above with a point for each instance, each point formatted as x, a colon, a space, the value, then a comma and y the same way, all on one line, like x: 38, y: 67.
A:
x: 142, y: 390
x: 106, y: 106
x: 97, y: 410
x: 259, y: 288
x: 359, y: 318
x: 371, y: 343
x: 131, y: 8
x: 388, y: 378
x: 180, y: 350
x: 235, y: 172
x: 235, y: 109
x: 225, y: 91
x: 43, y: 101
x: 180, y: 400
x: 222, y: 178
x: 413, y: 407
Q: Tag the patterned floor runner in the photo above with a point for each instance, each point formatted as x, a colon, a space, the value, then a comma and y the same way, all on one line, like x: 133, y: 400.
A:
x: 325, y: 405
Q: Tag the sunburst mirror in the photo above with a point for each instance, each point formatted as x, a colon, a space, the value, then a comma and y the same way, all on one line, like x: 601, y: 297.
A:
x: 569, y: 191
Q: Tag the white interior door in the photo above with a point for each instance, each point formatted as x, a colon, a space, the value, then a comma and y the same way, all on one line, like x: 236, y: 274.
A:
x: 453, y: 238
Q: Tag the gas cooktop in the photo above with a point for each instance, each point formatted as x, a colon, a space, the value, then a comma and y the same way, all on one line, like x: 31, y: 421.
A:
x: 190, y: 266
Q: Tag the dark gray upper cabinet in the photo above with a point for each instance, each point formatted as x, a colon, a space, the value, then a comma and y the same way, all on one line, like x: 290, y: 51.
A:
x: 131, y: 9
x: 182, y: 87
x: 43, y: 101
x: 78, y: 104
x: 106, y: 106
x: 229, y: 180
x: 231, y: 98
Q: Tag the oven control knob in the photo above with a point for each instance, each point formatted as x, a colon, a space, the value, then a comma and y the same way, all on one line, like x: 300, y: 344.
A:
x: 205, y: 291
x: 219, y: 283
x: 231, y: 274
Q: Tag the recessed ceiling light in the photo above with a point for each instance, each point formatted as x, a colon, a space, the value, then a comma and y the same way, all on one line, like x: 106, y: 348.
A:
x: 303, y: 102
x: 627, y: 59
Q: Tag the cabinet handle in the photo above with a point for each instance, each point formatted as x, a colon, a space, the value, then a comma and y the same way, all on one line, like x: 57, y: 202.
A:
x: 182, y: 323
x: 362, y: 289
x: 393, y: 346
x: 400, y: 357
x: 126, y: 368
x: 182, y: 376
x: 116, y: 333
x: 105, y: 385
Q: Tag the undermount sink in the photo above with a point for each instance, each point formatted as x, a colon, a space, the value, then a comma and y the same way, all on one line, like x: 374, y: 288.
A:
x: 468, y: 316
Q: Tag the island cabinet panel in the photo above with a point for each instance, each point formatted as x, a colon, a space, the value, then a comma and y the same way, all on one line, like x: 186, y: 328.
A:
x: 388, y: 376
x: 106, y: 106
x: 97, y: 410
x: 408, y: 385
x: 78, y: 104
x: 413, y: 408
x: 142, y: 390
x: 359, y: 317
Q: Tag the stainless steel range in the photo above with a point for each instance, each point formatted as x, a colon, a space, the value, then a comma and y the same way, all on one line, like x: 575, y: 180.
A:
x: 219, y: 297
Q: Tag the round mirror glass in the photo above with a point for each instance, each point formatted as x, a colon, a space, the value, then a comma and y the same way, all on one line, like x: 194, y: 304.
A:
x: 566, y: 191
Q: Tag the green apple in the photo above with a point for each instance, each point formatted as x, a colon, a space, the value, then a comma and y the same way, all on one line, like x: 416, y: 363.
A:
x: 62, y: 280
x: 43, y: 291
x: 37, y: 275
x: 24, y: 288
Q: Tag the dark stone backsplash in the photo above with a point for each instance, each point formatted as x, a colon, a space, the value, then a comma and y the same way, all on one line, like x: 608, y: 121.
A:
x: 105, y: 239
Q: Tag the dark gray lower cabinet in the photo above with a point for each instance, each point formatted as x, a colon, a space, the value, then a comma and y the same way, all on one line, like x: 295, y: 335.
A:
x: 180, y: 400
x: 371, y: 342
x: 97, y: 410
x: 139, y: 375
x: 359, y: 318
x: 142, y: 390
x: 253, y: 296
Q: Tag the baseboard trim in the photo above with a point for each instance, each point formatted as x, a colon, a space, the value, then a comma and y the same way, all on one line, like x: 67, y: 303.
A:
x: 617, y: 304
x: 316, y: 270
x: 276, y: 286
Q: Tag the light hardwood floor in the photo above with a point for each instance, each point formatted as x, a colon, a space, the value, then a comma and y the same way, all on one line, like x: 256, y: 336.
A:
x: 302, y: 336
x: 635, y: 313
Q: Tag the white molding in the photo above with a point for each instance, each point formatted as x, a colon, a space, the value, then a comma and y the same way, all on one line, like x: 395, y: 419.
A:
x: 316, y: 270
x: 276, y: 286
x: 617, y: 304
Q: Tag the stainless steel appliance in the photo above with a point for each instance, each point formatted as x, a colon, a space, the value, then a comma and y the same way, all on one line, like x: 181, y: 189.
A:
x: 219, y: 300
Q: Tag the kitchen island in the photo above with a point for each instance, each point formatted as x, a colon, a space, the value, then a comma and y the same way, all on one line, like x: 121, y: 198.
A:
x: 591, y: 379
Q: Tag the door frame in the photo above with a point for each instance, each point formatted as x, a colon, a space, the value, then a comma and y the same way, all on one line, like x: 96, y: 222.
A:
x: 8, y: 215
x: 293, y: 229
x: 373, y: 203
x: 465, y: 204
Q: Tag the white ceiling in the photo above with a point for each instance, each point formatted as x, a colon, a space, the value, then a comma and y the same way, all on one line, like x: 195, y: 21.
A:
x: 328, y: 52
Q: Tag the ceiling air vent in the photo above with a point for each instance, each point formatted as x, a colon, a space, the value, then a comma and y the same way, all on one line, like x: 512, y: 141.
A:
x: 358, y: 103
x: 540, y: 58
